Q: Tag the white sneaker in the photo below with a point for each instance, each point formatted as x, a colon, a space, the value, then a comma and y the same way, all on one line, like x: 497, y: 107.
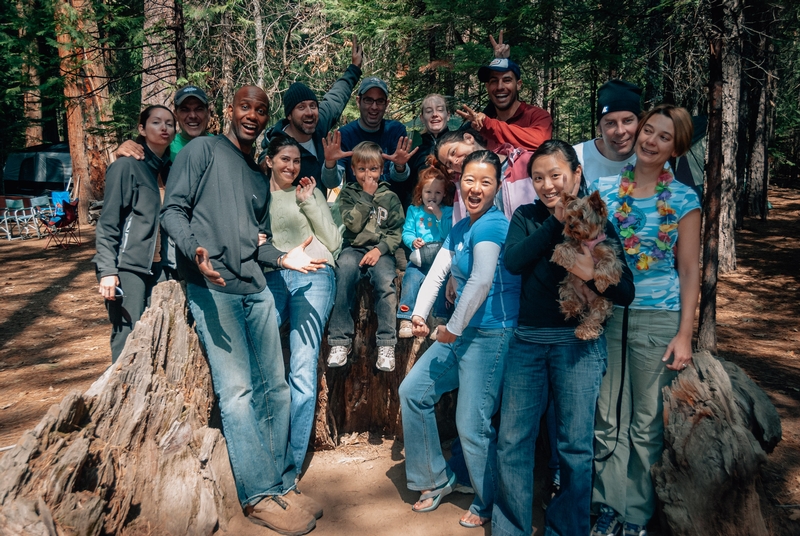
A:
x: 385, y: 358
x: 338, y: 356
x: 405, y: 329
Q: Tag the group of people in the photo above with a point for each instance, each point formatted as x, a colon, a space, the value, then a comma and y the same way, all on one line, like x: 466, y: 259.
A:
x: 472, y: 216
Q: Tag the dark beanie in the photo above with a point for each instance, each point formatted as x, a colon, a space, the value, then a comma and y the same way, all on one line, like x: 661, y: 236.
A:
x: 297, y: 93
x: 618, y: 96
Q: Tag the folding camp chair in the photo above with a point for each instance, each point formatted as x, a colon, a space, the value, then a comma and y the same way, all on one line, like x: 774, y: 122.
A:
x: 62, y: 227
x: 43, y: 211
x: 28, y: 222
x: 8, y: 219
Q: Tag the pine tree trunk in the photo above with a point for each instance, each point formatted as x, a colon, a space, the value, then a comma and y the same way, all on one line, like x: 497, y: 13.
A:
x: 162, y: 19
x: 707, y: 330
x: 31, y: 97
x: 731, y: 93
x: 86, y: 92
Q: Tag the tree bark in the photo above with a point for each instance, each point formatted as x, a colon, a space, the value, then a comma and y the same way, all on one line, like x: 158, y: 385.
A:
x: 163, y: 28
x: 731, y: 93
x: 31, y: 96
x: 358, y: 397
x: 717, y: 426
x: 707, y: 326
x: 138, y: 452
x: 134, y: 454
x: 86, y: 92
x: 762, y: 74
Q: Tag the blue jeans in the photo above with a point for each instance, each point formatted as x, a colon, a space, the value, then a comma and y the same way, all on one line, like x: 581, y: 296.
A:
x: 575, y: 369
x: 241, y: 339
x: 305, y: 301
x: 348, y: 274
x: 474, y: 365
x: 412, y: 281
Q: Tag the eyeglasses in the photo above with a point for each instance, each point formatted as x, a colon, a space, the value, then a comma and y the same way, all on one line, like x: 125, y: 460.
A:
x: 369, y: 101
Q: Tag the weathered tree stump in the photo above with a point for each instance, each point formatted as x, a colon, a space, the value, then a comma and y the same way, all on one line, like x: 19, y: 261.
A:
x: 135, y: 453
x: 360, y: 398
x: 718, y: 425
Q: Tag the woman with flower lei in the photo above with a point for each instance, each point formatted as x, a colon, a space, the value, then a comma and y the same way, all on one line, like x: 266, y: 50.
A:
x: 658, y: 221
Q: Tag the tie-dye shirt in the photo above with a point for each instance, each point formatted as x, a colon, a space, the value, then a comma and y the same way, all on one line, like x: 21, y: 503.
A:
x: 657, y: 286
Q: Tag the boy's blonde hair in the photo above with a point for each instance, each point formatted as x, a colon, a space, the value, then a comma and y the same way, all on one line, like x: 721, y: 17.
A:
x: 367, y: 152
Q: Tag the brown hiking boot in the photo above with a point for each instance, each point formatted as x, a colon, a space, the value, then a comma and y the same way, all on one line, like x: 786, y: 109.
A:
x: 284, y: 517
x: 305, y: 502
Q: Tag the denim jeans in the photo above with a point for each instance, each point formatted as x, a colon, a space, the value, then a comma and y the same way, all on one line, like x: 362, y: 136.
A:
x: 575, y: 369
x: 305, y: 301
x: 412, y: 281
x: 241, y: 339
x: 474, y: 365
x: 348, y: 274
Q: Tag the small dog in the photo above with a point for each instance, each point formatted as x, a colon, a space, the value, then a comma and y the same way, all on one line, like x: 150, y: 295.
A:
x: 584, y: 223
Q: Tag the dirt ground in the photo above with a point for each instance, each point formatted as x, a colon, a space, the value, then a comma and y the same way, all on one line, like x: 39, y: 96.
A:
x: 54, y: 338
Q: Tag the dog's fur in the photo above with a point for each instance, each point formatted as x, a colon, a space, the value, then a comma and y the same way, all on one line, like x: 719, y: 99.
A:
x: 585, y: 218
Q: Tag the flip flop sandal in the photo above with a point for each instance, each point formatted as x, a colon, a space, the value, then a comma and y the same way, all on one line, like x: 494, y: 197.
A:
x: 469, y: 525
x: 437, y: 495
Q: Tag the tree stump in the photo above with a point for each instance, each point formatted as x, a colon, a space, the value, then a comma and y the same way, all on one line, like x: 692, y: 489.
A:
x: 135, y: 453
x: 718, y: 425
x: 360, y: 398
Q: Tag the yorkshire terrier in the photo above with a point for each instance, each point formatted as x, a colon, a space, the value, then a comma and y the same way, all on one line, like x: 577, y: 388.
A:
x: 585, y: 223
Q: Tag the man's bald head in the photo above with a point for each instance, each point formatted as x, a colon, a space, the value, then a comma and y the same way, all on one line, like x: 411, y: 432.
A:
x: 251, y: 92
x: 249, y: 115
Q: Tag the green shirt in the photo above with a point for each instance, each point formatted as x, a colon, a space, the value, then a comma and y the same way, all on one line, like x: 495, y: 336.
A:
x: 178, y: 143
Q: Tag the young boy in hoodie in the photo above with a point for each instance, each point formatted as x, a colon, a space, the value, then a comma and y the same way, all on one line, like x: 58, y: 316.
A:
x: 373, y: 219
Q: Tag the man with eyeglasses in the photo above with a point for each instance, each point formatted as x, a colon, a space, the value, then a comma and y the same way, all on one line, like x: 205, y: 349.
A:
x: 373, y: 99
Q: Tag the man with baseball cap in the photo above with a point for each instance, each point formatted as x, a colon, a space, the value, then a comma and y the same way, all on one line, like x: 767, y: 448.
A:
x: 191, y: 111
x: 308, y: 120
x: 372, y: 99
x: 507, y: 119
x: 618, y: 108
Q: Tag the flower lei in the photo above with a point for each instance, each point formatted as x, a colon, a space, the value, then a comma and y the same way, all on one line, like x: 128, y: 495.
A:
x: 644, y: 257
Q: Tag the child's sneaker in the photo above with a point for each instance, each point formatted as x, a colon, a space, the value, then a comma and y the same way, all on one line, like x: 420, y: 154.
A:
x: 634, y: 530
x: 338, y: 356
x: 405, y: 329
x: 607, y: 524
x: 385, y: 358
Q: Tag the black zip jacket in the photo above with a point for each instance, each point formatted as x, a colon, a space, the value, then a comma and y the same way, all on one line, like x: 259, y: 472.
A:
x: 127, y: 228
x: 532, y: 236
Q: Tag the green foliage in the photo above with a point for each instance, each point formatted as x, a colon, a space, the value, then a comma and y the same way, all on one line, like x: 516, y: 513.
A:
x: 566, y: 48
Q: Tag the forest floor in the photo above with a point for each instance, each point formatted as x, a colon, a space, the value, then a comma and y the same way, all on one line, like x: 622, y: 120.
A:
x: 54, y: 339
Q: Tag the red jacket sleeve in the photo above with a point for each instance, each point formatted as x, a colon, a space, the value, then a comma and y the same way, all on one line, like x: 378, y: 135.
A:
x: 531, y: 130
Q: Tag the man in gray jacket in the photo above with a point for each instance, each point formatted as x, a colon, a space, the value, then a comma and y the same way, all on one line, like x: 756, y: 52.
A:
x: 308, y: 120
x: 215, y: 208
